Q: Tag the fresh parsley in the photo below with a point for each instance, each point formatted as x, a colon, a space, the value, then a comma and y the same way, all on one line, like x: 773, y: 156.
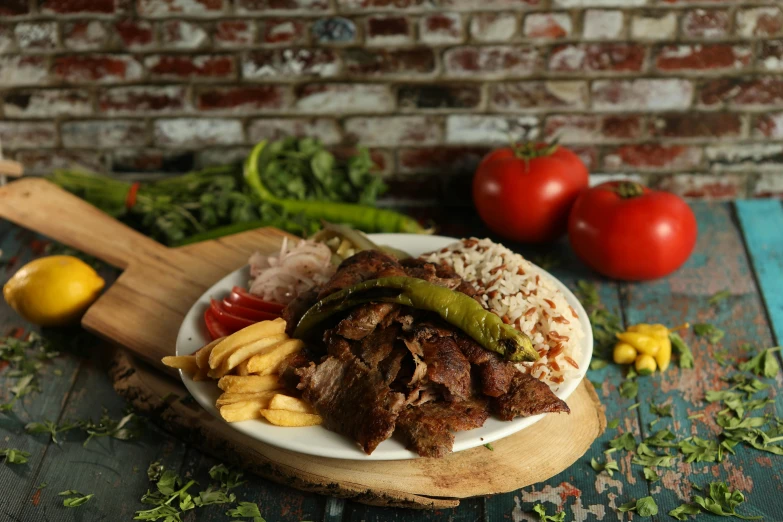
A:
x: 49, y: 427
x: 718, y: 297
x: 75, y: 499
x: 489, y: 446
x: 651, y: 475
x: 764, y: 364
x: 610, y: 466
x: 686, y: 356
x: 246, y: 510
x: 719, y: 500
x: 540, y: 510
x: 648, y: 458
x: 625, y: 442
x: 587, y: 293
x: 644, y: 507
x: 682, y: 512
x: 613, y: 424
x: 710, y: 331
x: 629, y: 389
x: 697, y: 449
x: 14, y: 456
x: 128, y: 427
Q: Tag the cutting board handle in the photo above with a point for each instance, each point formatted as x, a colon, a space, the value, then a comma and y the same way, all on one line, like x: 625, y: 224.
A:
x: 40, y: 205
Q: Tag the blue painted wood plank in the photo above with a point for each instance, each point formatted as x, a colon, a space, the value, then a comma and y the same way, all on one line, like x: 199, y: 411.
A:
x: 762, y: 225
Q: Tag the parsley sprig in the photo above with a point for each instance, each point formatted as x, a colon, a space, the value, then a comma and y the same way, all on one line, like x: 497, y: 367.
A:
x: 719, y: 500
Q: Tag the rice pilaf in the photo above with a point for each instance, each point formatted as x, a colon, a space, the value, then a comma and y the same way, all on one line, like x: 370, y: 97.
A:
x: 523, y: 296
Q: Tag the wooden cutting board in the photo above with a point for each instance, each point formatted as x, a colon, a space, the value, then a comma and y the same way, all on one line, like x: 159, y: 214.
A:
x: 142, y: 312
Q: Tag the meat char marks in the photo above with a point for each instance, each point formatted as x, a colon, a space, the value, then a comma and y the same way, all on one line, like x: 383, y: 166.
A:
x: 385, y: 369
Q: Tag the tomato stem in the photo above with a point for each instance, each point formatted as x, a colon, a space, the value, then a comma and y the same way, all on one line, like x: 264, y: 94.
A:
x: 629, y: 189
x: 530, y: 150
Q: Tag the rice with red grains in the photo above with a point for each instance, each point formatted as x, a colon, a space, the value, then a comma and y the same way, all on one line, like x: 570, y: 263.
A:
x: 522, y: 295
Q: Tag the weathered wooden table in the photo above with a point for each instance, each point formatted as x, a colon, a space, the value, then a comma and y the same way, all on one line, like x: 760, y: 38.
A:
x: 740, y: 249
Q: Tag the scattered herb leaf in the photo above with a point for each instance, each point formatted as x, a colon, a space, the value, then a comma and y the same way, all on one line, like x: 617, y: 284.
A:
x: 14, y: 456
x: 75, y: 499
x: 629, y: 389
x: 613, y: 424
x: 540, y: 510
x: 686, y: 356
x: 644, y: 507
x: 710, y: 331
x: 764, y: 364
x: 717, y: 297
x: 489, y: 446
x: 246, y: 510
x: 610, y: 466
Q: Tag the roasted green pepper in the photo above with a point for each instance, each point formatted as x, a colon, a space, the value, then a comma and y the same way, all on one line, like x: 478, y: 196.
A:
x: 456, y: 308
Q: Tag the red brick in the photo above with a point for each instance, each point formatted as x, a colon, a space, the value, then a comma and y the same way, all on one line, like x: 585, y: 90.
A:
x: 326, y: 130
x: 295, y: 63
x: 344, y: 97
x: 588, y: 155
x: 597, y: 57
x: 152, y: 160
x: 45, y: 161
x: 403, y: 130
x: 586, y: 128
x: 441, y: 28
x: 156, y: 8
x: 375, y: 5
x: 27, y: 135
x: 492, y: 61
x: 739, y: 92
x: 141, y: 100
x: 23, y: 70
x: 381, y: 62
x: 745, y: 156
x: 234, y: 33
x: 770, y: 55
x: 294, y: 6
x: 176, y: 66
x: 642, y: 94
x: 192, y: 132
x: 699, y: 186
x: 417, y: 96
x: 84, y: 35
x: 703, y: 57
x: 702, y: 23
x: 387, y: 30
x: 47, y: 103
x: 413, y: 189
x: 477, y: 5
x: 242, y: 99
x: 769, y: 125
x: 134, y: 34
x: 102, y: 134
x: 548, y: 25
x: 78, y: 6
x: 437, y: 160
x: 36, y: 36
x: 283, y: 31
x: 769, y: 185
x: 653, y: 157
x: 530, y: 96
x: 179, y: 34
x: 11, y: 8
x: 759, y: 21
x: 101, y: 68
x: 697, y: 125
x: 473, y: 129
x: 493, y: 27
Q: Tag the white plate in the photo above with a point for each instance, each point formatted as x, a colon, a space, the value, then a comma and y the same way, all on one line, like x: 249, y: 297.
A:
x: 321, y: 442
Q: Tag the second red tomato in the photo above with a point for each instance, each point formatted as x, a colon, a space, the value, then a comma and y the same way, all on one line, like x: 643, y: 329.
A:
x: 525, y: 193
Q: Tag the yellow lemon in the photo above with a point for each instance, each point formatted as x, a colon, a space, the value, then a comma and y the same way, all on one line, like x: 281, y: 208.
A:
x: 54, y: 290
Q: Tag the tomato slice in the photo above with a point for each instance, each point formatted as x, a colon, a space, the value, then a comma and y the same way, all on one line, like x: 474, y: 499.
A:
x: 247, y: 313
x: 215, y: 329
x: 230, y: 321
x: 244, y: 298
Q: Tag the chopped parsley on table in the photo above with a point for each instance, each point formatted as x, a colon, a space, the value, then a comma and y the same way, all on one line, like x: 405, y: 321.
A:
x: 644, y: 507
x: 14, y: 456
x: 718, y: 297
x: 540, y: 510
x: 74, y: 498
x: 710, y: 331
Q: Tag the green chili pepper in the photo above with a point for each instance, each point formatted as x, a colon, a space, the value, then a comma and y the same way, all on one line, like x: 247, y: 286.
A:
x: 456, y: 308
x: 366, y: 218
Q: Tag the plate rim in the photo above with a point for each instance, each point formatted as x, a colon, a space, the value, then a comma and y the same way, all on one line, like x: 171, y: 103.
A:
x: 351, y: 451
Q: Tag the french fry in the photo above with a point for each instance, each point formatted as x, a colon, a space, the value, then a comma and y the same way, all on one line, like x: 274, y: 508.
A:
x: 254, y: 348
x: 241, y: 368
x: 288, y: 403
x: 240, y: 411
x: 186, y: 363
x: 231, y: 398
x: 249, y: 383
x: 267, y: 362
x: 202, y: 355
x: 243, y: 337
x: 290, y: 418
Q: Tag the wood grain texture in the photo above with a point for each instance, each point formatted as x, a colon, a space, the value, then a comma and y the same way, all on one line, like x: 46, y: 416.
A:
x: 420, y: 483
x: 143, y: 309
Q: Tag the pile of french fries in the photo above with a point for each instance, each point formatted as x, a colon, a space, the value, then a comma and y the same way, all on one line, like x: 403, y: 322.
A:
x: 246, y: 365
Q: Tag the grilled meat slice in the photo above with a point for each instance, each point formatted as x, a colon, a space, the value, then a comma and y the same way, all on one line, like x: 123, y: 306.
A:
x: 527, y: 396
x: 427, y: 429
x: 288, y: 369
x: 495, y: 373
x: 363, y: 319
x: 447, y: 366
x: 352, y: 398
x: 438, y: 274
x: 297, y: 308
x: 363, y: 266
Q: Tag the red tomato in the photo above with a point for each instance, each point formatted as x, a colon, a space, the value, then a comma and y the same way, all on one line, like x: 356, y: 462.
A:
x: 215, y: 329
x: 244, y: 298
x: 627, y: 231
x: 247, y: 313
x: 525, y: 193
x: 230, y: 321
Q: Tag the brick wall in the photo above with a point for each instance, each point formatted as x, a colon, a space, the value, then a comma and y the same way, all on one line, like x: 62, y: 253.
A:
x: 685, y: 94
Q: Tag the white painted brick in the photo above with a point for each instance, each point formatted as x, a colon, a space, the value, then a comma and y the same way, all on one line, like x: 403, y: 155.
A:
x: 469, y: 129
x: 324, y: 129
x: 192, y: 132
x: 602, y: 24
x: 600, y: 3
x: 385, y: 132
x: 493, y: 27
x: 745, y: 157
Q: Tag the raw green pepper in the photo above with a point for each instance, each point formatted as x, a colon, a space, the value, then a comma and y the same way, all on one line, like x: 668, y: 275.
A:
x: 456, y: 308
x: 369, y: 219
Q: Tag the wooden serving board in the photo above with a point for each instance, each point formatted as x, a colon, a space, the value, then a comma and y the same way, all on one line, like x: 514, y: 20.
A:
x: 142, y: 312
